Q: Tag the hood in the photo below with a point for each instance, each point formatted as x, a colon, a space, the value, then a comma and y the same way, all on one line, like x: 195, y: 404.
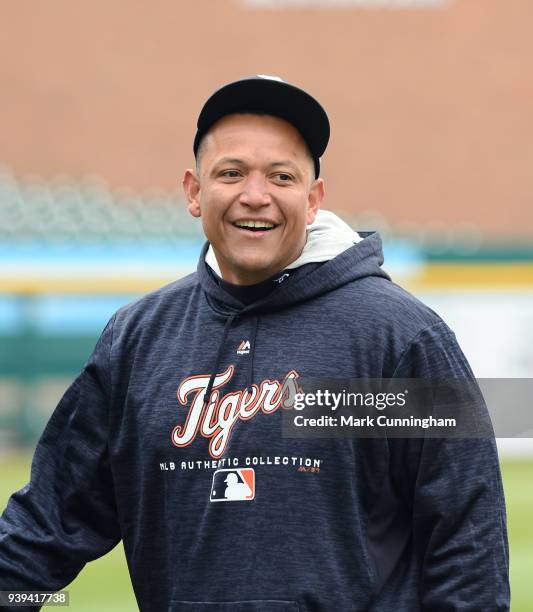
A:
x: 344, y: 255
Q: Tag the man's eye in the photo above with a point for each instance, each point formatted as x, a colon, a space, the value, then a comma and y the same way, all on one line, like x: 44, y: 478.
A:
x: 284, y: 177
x: 230, y: 173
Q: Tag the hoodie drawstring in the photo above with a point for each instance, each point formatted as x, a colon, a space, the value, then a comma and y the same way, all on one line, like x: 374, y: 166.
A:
x: 216, y: 363
x: 252, y: 354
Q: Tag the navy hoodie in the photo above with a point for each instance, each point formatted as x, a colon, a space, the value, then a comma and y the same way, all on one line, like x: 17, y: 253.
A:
x: 220, y: 513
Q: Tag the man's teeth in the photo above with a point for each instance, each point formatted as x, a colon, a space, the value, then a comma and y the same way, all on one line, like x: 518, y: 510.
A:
x: 255, y: 224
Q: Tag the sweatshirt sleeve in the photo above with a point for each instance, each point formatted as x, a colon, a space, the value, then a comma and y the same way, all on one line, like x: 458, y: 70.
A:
x: 456, y: 493
x: 66, y: 515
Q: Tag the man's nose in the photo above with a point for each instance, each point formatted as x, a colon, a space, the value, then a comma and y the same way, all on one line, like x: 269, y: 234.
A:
x: 255, y: 191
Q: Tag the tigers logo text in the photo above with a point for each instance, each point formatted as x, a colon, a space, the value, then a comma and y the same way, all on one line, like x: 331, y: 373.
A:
x: 216, y: 418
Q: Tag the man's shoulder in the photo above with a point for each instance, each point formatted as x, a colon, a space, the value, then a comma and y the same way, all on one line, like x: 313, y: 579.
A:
x: 159, y: 300
x: 382, y: 301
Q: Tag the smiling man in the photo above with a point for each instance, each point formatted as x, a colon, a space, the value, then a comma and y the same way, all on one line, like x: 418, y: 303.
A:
x: 255, y: 190
x: 170, y: 438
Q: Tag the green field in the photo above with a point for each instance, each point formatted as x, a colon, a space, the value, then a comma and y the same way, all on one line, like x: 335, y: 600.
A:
x: 105, y: 584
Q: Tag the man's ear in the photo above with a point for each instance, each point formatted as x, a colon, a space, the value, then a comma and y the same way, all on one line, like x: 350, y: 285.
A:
x: 191, y: 188
x: 315, y: 198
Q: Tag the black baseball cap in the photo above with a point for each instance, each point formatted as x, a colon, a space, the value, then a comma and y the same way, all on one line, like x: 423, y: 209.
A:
x: 273, y: 96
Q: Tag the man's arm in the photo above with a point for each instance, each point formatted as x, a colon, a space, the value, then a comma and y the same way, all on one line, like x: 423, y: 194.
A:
x: 455, y: 489
x: 66, y: 515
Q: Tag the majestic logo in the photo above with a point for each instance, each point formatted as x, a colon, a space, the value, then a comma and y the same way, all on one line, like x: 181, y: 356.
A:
x: 233, y: 485
x: 214, y: 417
x: 243, y: 348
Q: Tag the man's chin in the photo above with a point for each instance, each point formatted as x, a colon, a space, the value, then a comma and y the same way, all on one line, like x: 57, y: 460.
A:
x: 255, y: 272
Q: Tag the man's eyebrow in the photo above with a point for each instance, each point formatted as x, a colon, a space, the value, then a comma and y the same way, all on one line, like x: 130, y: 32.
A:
x: 287, y: 163
x: 229, y: 160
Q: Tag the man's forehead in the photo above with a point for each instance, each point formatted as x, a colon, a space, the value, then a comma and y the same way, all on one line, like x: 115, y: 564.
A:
x: 265, y: 130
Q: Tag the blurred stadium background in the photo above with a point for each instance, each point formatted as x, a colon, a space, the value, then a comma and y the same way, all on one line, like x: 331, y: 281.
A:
x: 430, y: 104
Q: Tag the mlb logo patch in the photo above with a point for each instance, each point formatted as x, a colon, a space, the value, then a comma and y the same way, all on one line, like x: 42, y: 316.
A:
x: 233, y: 485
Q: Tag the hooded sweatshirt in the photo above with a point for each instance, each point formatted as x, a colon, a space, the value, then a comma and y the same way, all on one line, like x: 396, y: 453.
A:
x: 217, y: 511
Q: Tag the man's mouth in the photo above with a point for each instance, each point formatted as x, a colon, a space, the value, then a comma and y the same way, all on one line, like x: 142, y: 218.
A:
x: 255, y: 226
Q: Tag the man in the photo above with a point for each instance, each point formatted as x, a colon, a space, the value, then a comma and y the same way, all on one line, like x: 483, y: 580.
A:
x: 182, y: 399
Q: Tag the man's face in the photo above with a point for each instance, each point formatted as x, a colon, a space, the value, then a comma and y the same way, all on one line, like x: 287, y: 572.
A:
x: 254, y: 170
